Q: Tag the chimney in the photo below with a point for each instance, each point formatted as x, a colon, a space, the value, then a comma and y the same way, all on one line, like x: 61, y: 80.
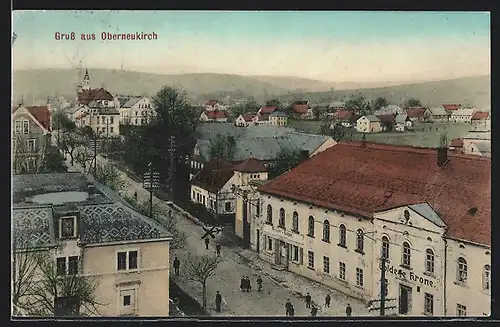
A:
x: 91, y: 191
x: 442, y: 156
x: 304, y: 154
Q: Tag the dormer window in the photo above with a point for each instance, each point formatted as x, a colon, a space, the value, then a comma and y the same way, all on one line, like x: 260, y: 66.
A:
x: 67, y: 227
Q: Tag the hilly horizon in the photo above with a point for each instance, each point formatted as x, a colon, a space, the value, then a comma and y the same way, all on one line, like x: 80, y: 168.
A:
x: 38, y: 84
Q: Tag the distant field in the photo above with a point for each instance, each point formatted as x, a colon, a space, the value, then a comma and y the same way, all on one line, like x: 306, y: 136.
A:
x: 425, y: 135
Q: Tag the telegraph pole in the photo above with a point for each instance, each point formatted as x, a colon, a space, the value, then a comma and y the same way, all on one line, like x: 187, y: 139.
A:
x: 151, y: 181
x: 171, y: 150
x: 246, y: 227
x: 383, y: 290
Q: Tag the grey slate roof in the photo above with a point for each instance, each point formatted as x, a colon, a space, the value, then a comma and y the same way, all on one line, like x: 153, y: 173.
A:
x: 426, y: 211
x: 278, y: 114
x: 486, y: 135
x: 33, y: 227
x: 401, y: 118
x: 372, y: 118
x: 482, y: 147
x: 131, y: 101
x: 389, y: 110
x: 438, y: 111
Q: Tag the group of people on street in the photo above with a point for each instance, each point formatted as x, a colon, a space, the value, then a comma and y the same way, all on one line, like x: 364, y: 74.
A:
x: 217, y: 246
x: 290, y: 310
x: 245, y: 284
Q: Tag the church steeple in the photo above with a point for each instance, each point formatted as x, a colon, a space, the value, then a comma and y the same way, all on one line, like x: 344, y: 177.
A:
x: 86, y: 79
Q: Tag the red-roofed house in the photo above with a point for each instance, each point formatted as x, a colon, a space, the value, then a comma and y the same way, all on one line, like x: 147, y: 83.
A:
x: 457, y: 145
x: 346, y: 117
x: 245, y: 120
x: 31, y: 128
x: 214, y: 116
x: 333, y: 216
x: 302, y: 110
x: 415, y: 113
x: 267, y: 110
x: 215, y: 105
x: 451, y: 107
x: 480, y: 115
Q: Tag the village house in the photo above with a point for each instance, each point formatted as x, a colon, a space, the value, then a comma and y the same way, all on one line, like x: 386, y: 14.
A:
x: 477, y: 136
x: 387, y: 122
x: 457, y: 145
x: 403, y: 121
x: 31, y: 130
x: 89, y: 232
x: 436, y: 115
x: 416, y: 114
x: 278, y: 118
x: 479, y: 149
x: 245, y: 120
x: 451, y: 107
x: 462, y: 115
x: 368, y: 124
x: 267, y: 110
x: 214, y: 116
x: 215, y: 105
x: 332, y: 220
x: 346, y: 118
x: 104, y: 120
x: 336, y: 105
x: 391, y: 109
x: 302, y: 110
x: 481, y: 120
x: 135, y: 110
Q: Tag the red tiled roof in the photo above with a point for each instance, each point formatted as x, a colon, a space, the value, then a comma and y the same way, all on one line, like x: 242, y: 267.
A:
x: 214, y: 174
x: 300, y: 108
x: 268, y: 109
x: 42, y: 114
x: 387, y: 118
x: 86, y: 96
x: 449, y: 107
x: 248, y: 117
x: 251, y: 165
x: 415, y: 112
x: 457, y: 143
x: 355, y: 179
x: 215, y: 114
x: 211, y: 103
x: 344, y: 114
x: 480, y: 115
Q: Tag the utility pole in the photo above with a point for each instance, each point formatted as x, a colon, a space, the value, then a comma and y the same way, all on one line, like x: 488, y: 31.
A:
x: 151, y: 181
x: 246, y: 224
x: 171, y: 151
x: 383, y: 290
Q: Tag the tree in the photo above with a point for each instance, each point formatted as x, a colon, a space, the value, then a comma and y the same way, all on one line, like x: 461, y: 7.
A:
x: 360, y: 105
x: 338, y: 132
x: 61, y: 122
x: 287, y: 159
x: 53, y: 161
x: 110, y: 176
x: 316, y: 112
x: 84, y: 157
x: 222, y: 147
x: 199, y: 268
x: 412, y: 102
x: 273, y: 103
x: 69, y: 142
x: 380, y: 103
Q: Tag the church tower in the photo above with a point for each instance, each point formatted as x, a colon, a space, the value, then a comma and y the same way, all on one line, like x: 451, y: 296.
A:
x: 86, y: 80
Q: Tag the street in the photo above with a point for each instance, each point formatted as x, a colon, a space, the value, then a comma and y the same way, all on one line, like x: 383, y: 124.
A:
x: 278, y: 286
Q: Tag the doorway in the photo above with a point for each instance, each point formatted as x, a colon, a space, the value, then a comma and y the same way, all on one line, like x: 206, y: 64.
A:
x: 404, y: 299
x: 258, y: 241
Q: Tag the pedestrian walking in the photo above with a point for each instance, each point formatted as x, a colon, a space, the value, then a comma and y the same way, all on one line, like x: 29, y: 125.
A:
x: 292, y: 310
x: 348, y: 310
x: 217, y: 248
x: 327, y: 300
x: 218, y: 301
x: 259, y: 284
x: 248, y: 284
x: 135, y: 195
x: 288, y: 306
x: 314, y: 311
x: 308, y: 300
x: 207, y: 241
x: 177, y: 265
x: 242, y: 284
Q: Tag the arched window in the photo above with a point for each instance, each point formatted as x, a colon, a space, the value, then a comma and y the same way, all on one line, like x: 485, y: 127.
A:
x: 342, y: 235
x: 269, y: 214
x: 360, y: 240
x: 295, y: 222
x: 281, y: 222
x: 326, y: 231
x: 487, y: 278
x: 310, y: 226
x: 429, y: 261
x: 406, y: 254
x: 462, y: 270
x: 385, y: 247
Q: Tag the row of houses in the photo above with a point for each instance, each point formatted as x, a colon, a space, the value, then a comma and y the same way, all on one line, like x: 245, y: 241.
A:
x: 334, y: 218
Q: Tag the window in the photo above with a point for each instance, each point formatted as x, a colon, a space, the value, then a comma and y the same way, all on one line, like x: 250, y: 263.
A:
x: 326, y: 231
x: 127, y: 260
x: 111, y: 130
x: 342, y: 236
x: 406, y: 254
x: 281, y: 222
x: 487, y: 278
x: 103, y: 120
x: 111, y: 120
x: 385, y: 247
x: 128, y: 302
x: 31, y: 144
x: 73, y: 265
x: 326, y: 265
x: 461, y: 310
x: 429, y: 303
x: 18, y: 126
x: 193, y: 195
x: 23, y: 126
x: 462, y: 270
x: 341, y: 271
x: 67, y: 227
x: 227, y: 206
x: 295, y: 222
x: 295, y: 253
x: 269, y: 244
x: 310, y: 259
x: 360, y: 241
x: 359, y: 277
x: 66, y: 306
x: 310, y: 226
x: 269, y: 215
x: 61, y: 266
x: 429, y: 261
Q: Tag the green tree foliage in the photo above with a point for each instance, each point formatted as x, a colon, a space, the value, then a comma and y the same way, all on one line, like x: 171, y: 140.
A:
x: 317, y: 112
x: 360, y: 104
x: 110, y: 176
x: 222, y: 147
x: 61, y: 121
x: 273, y: 102
x: 380, y: 103
x: 285, y: 160
x: 413, y: 103
x: 69, y: 141
x: 53, y: 161
x: 249, y: 107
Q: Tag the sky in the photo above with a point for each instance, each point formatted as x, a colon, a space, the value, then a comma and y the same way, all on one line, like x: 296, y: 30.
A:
x: 329, y: 46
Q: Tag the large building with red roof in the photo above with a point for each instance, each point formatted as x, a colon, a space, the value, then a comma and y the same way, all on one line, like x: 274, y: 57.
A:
x: 426, y: 211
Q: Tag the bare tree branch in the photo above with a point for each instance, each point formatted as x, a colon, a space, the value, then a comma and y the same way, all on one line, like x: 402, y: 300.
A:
x: 200, y: 268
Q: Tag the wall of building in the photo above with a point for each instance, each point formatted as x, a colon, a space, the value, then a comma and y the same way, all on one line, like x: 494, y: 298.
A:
x: 141, y: 112
x: 471, y: 294
x: 151, y: 280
